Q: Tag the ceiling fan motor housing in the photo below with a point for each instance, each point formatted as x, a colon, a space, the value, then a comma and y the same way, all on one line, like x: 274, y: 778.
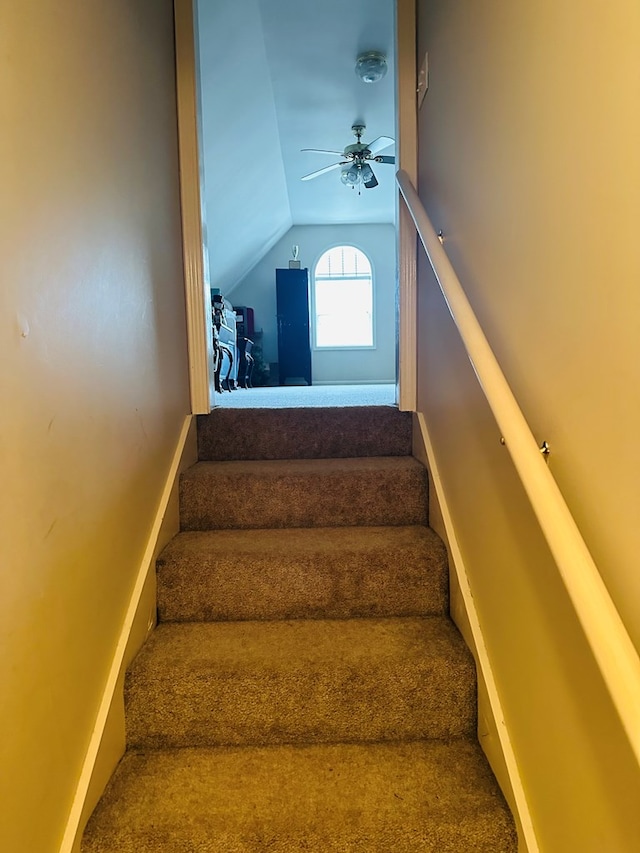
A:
x: 358, y: 149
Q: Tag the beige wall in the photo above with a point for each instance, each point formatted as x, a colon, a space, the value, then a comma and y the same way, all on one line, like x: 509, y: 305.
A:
x: 93, y: 366
x: 529, y: 141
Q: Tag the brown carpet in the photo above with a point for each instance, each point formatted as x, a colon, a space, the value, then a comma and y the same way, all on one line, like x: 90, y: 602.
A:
x: 301, y: 681
x: 426, y: 797
x: 323, y: 572
x: 311, y: 433
x: 305, y: 689
x: 304, y: 493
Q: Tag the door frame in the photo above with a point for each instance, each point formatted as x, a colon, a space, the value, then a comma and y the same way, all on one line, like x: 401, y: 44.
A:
x: 196, y: 281
x: 406, y: 242
x: 197, y: 292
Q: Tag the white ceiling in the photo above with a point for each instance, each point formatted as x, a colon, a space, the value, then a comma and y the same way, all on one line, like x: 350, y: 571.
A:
x: 277, y: 76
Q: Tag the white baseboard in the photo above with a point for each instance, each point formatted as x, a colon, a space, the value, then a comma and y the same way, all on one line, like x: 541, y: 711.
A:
x: 512, y: 787
x: 106, y: 745
x: 356, y: 382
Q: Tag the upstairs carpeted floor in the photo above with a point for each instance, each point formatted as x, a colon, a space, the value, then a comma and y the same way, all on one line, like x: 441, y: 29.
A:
x: 305, y: 689
x: 308, y: 396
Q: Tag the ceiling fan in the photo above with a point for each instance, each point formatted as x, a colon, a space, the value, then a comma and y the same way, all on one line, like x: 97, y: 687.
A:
x: 356, y: 159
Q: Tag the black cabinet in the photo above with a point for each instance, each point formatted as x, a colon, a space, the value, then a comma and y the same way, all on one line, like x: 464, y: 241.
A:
x: 294, y: 348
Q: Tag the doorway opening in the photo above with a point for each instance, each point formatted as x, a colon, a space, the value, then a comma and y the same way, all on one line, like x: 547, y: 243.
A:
x: 275, y: 107
x: 263, y: 92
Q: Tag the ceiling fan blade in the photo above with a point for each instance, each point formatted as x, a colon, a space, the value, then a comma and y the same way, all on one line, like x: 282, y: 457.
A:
x: 387, y: 159
x: 322, y: 171
x: 380, y: 144
x: 322, y: 151
x: 371, y: 182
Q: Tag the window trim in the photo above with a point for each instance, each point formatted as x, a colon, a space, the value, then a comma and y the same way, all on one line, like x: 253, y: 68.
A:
x: 342, y: 347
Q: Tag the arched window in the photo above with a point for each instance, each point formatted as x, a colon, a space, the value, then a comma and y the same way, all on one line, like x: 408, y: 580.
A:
x: 343, y: 299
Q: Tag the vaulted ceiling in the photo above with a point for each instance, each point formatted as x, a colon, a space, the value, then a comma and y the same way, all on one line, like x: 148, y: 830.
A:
x: 277, y: 76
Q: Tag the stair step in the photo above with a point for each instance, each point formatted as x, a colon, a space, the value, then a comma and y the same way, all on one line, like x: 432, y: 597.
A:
x: 304, y: 433
x: 304, y: 493
x: 326, y: 572
x: 300, y: 681
x: 339, y: 798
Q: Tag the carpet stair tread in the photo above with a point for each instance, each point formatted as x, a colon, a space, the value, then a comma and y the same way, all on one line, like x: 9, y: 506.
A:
x: 327, y: 572
x: 300, y: 681
x: 305, y: 688
x: 310, y: 433
x: 421, y: 797
x: 370, y: 491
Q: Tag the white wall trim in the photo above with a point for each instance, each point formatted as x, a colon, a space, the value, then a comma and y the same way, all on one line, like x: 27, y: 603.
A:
x: 407, y: 148
x: 197, y: 294
x: 528, y: 839
x: 73, y: 827
x: 356, y: 382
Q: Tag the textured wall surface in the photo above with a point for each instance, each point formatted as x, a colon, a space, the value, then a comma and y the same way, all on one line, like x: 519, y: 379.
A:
x: 528, y: 163
x: 93, y: 366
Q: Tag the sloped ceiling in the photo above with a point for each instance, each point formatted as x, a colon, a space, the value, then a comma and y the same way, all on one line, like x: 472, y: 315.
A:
x: 277, y: 76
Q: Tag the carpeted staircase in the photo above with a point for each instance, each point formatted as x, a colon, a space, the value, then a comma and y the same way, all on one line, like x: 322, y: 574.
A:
x: 305, y: 689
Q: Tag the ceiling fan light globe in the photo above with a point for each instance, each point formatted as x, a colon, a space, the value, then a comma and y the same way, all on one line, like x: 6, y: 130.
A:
x: 351, y: 176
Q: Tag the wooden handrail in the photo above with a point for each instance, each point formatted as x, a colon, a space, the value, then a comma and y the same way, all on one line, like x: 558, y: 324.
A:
x: 606, y: 634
